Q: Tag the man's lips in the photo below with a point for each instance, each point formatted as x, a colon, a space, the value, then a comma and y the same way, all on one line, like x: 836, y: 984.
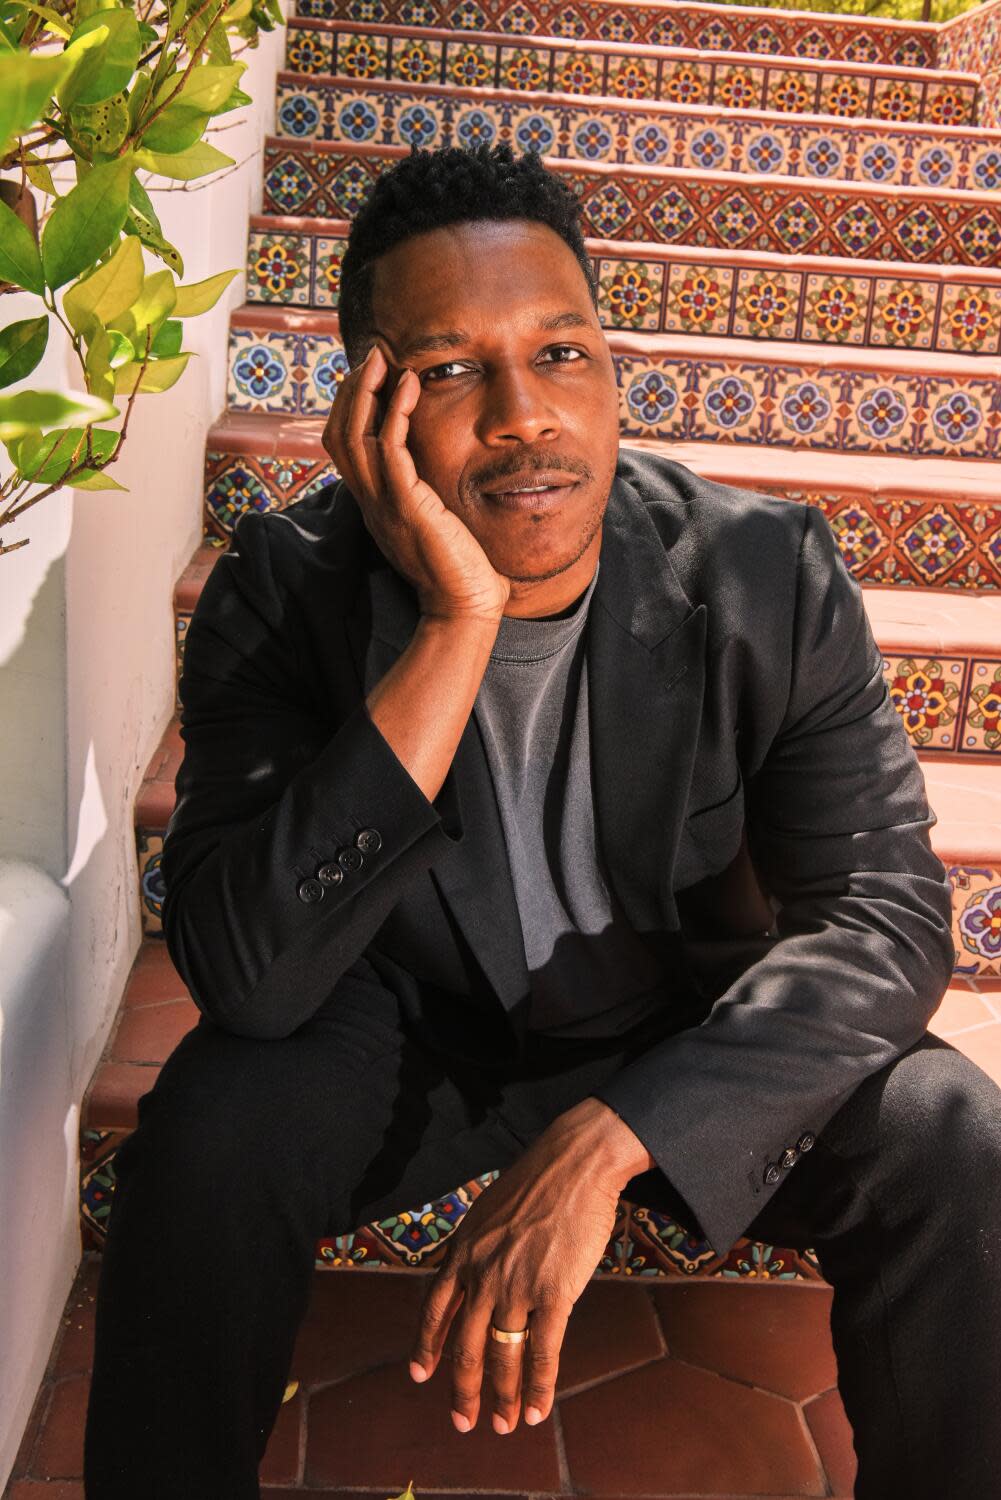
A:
x: 536, y: 483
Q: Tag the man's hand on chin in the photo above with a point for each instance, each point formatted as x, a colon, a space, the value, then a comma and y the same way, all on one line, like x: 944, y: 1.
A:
x: 521, y: 1257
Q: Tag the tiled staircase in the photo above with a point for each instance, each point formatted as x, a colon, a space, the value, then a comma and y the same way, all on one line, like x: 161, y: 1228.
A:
x: 797, y: 225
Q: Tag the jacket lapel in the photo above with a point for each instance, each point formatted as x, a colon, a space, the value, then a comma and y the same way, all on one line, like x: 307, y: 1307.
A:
x: 645, y: 680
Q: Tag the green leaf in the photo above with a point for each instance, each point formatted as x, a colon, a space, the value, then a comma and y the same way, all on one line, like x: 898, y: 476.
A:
x: 159, y: 375
x: 201, y: 295
x: 26, y: 86
x: 139, y: 95
x: 175, y: 129
x: 100, y: 127
x: 86, y: 221
x: 184, y: 166
x: 54, y: 22
x: 149, y: 237
x: 27, y: 409
x: 168, y: 340
x: 47, y: 461
x: 235, y: 100
x: 205, y: 88
x: 40, y: 177
x: 21, y: 347
x: 106, y: 292
x: 147, y: 34
x: 20, y: 262
x: 95, y: 479
x: 108, y: 68
x: 141, y: 205
x: 154, y: 303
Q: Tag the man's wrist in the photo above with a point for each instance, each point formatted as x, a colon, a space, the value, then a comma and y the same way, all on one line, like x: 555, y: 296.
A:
x: 604, y: 1141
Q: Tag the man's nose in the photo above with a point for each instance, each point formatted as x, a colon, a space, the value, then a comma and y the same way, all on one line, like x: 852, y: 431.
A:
x: 517, y: 408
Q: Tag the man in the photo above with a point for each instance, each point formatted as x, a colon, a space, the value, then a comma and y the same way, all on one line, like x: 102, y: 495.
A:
x: 489, y: 751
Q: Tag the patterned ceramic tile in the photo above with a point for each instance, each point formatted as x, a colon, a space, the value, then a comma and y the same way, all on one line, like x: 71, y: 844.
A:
x: 278, y: 268
x: 767, y: 304
x: 237, y: 483
x: 699, y: 299
x: 971, y: 319
x: 630, y: 293
x: 927, y: 693
x: 982, y: 726
x: 149, y: 847
x: 836, y: 308
x: 976, y: 923
x: 843, y: 94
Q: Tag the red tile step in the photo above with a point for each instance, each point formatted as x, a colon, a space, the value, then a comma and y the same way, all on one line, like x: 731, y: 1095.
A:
x: 711, y: 1390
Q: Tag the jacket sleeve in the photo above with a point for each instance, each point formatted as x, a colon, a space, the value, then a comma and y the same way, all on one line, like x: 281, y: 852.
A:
x: 861, y: 951
x: 271, y: 787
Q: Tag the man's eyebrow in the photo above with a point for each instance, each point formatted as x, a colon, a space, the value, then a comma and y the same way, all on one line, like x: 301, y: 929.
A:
x: 452, y: 338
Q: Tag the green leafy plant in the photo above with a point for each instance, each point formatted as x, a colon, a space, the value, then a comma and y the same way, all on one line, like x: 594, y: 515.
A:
x: 95, y: 97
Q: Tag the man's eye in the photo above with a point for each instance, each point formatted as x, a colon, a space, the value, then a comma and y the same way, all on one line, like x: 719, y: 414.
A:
x: 568, y: 354
x: 442, y: 372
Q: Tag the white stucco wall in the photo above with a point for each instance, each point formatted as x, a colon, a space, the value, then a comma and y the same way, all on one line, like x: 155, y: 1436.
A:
x: 87, y: 685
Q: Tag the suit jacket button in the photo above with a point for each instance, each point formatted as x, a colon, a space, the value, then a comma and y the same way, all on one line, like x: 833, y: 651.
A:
x: 350, y: 859
x: 772, y: 1173
x: 368, y: 840
x: 311, y: 890
x: 330, y: 874
x: 789, y: 1157
x: 805, y: 1141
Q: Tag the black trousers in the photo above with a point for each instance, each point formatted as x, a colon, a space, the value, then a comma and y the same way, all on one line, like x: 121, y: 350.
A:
x: 248, y: 1151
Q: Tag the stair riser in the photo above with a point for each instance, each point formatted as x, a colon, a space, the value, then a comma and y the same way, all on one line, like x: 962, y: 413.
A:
x: 679, y: 397
x: 902, y: 537
x: 490, y: 60
x: 973, y: 44
x: 648, y: 136
x: 713, y: 209
x: 704, y: 28
x: 685, y: 295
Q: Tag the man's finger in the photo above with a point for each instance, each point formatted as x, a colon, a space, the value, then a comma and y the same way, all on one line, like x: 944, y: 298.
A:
x: 471, y: 1331
x: 441, y: 1302
x: 506, y: 1363
x: 542, y: 1359
x: 361, y: 423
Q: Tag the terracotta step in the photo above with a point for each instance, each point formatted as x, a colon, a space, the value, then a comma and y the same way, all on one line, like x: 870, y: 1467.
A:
x: 706, y: 28
x: 925, y: 523
x: 677, y: 75
x: 679, y: 387
x: 644, y: 131
x: 694, y: 289
x: 660, y: 204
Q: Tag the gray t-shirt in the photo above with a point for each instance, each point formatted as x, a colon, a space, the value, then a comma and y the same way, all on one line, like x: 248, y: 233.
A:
x: 591, y: 974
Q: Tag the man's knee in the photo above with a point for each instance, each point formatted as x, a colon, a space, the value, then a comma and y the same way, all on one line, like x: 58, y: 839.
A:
x: 939, y: 1115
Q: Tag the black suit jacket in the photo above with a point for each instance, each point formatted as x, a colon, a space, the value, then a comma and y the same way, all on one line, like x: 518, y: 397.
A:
x: 760, y: 808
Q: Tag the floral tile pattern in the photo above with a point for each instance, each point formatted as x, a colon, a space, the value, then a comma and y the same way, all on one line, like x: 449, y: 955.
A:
x: 664, y: 206
x: 640, y: 131
x: 704, y: 28
x: 675, y: 75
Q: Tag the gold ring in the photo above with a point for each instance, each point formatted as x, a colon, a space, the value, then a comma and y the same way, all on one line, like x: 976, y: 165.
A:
x: 503, y: 1336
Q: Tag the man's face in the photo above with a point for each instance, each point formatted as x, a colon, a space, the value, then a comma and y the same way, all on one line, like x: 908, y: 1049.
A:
x: 517, y: 388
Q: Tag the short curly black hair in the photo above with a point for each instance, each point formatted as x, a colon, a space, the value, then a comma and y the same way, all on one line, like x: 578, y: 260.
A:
x: 429, y: 189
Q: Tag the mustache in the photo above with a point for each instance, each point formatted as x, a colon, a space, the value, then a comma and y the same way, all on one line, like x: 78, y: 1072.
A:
x: 533, y: 463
